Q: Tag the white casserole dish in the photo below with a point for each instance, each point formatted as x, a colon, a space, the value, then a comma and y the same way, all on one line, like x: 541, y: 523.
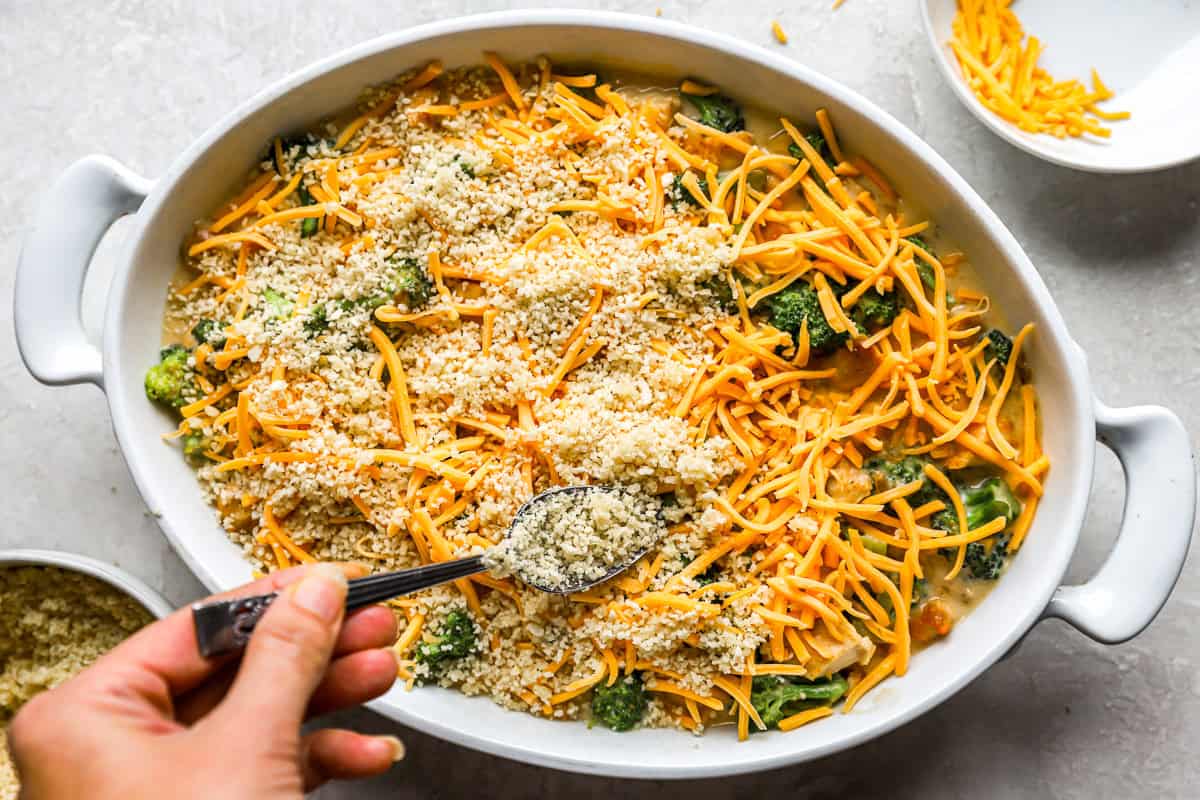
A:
x: 1122, y: 599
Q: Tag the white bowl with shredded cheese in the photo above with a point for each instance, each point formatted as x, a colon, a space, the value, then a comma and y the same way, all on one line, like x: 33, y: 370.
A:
x: 1150, y: 441
x: 1148, y: 55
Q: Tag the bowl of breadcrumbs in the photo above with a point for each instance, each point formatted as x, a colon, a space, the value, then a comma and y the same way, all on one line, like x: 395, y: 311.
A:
x: 58, y: 613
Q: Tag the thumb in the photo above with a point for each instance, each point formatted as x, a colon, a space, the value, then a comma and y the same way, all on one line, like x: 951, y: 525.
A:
x: 288, y: 653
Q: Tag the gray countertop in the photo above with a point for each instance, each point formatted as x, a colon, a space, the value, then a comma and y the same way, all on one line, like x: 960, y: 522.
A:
x: 1064, y: 718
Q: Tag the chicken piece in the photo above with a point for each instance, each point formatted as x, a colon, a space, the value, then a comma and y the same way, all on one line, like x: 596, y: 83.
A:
x: 419, y: 99
x: 660, y: 109
x: 848, y: 483
x: 830, y: 655
x: 961, y: 459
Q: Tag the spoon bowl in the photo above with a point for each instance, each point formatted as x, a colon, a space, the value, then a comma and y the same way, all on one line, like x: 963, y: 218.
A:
x: 577, y: 493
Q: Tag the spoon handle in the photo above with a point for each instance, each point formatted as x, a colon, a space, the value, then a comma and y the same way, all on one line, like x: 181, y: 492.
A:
x: 224, y: 626
x: 376, y: 588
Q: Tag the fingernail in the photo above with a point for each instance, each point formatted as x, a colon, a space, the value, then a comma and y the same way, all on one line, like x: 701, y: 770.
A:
x: 322, y: 591
x: 396, y: 745
x: 355, y: 569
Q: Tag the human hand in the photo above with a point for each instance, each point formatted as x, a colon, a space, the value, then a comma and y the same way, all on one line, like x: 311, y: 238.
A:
x: 154, y: 719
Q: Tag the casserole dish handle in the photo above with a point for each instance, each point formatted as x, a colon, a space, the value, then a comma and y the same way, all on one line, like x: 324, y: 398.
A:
x: 81, y: 206
x: 1156, y: 526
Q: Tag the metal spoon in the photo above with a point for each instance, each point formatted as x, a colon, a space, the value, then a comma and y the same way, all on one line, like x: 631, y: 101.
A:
x: 224, y: 626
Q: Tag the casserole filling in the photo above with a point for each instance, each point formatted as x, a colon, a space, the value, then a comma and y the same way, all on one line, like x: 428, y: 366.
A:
x: 491, y: 281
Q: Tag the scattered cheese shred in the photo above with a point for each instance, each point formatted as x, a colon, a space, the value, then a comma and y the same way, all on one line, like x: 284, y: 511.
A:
x: 999, y: 63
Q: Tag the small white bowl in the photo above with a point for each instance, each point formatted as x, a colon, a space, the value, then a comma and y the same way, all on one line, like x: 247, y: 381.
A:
x: 1148, y: 53
x: 118, y: 578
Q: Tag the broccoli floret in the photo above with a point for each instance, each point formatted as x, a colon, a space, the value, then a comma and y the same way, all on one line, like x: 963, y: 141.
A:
x: 411, y: 281
x: 408, y: 280
x: 795, y: 305
x: 986, y: 563
x: 776, y: 697
x: 718, y: 111
x: 317, y: 322
x: 278, y: 306
x: 678, y: 193
x: 171, y: 381
x: 818, y: 143
x: 945, y: 520
x: 454, y: 639
x: 987, y: 500
x: 209, y: 331
x: 622, y: 705
x: 309, y: 225
x: 890, y: 474
x: 982, y: 502
x: 874, y: 310
x: 195, y: 445
x: 998, y: 346
x: 896, y: 473
x: 722, y: 293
